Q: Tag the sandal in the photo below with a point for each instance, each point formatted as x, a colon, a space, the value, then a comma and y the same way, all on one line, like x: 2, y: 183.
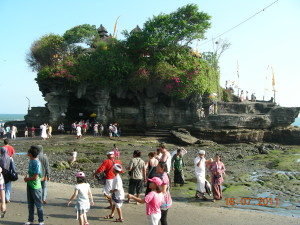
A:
x: 121, y: 220
x: 108, y: 217
x: 108, y: 207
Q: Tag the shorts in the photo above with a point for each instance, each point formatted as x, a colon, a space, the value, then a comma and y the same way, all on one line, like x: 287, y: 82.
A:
x: 118, y: 205
x: 136, y: 186
x: 107, y: 187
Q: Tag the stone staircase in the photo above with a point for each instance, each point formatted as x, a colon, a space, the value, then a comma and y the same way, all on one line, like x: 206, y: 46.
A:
x: 158, y: 132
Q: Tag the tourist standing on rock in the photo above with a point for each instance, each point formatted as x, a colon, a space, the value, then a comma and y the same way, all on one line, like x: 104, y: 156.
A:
x: 14, y: 132
x: 161, y: 172
x: 32, y: 130
x: 44, y: 131
x: 108, y: 167
x: 217, y: 169
x: 137, y: 173
x: 101, y: 129
x: 84, y: 198
x: 153, y: 201
x: 118, y: 194
x: 95, y: 129
x: 10, y: 149
x: 49, y: 131
x: 166, y: 156
x: 2, y: 194
x: 200, y: 164
x: 45, y: 171
x: 6, y: 163
x: 78, y: 131
x: 74, y: 156
x: 34, y: 187
x: 177, y: 167
x: 116, y: 152
x: 110, y: 131
x: 7, y: 132
x: 26, y: 132
x: 151, y: 169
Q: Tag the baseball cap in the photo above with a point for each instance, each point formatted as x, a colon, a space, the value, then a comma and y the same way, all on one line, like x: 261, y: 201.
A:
x: 201, y: 152
x: 110, y: 153
x: 156, y: 180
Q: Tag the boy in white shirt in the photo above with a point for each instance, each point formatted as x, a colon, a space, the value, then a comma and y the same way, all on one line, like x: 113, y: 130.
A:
x: 117, y: 194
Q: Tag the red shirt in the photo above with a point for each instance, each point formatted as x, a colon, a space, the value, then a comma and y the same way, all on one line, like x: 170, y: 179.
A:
x: 108, y: 166
x: 10, y: 150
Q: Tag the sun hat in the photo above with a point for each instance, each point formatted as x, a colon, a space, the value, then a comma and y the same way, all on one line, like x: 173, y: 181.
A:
x: 201, y: 152
x: 118, y: 167
x: 110, y: 153
x: 80, y: 174
x: 156, y: 180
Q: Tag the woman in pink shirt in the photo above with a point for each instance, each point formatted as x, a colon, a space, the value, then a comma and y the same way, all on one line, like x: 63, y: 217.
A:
x: 153, y: 201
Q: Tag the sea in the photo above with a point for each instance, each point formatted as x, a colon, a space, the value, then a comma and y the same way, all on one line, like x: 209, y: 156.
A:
x: 11, y: 117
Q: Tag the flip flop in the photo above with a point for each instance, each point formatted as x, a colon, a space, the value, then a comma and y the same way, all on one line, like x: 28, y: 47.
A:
x: 119, y: 220
x: 108, y: 217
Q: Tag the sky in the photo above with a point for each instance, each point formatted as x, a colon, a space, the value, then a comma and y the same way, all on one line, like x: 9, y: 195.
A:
x: 269, y: 39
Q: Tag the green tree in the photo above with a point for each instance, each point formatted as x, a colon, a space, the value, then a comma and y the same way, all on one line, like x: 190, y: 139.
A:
x: 47, y: 51
x: 85, y: 33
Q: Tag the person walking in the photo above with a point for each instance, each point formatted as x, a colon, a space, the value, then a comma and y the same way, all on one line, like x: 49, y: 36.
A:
x: 153, y: 201
x: 84, y: 198
x: 137, y: 173
x: 151, y: 169
x: 45, y: 171
x: 217, y: 169
x: 10, y: 149
x: 200, y: 164
x: 108, y: 167
x: 34, y: 187
x: 6, y: 163
x: 161, y: 172
x: 177, y: 167
x: 118, y: 195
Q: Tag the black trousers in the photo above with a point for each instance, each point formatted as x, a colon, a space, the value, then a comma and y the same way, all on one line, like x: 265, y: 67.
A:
x: 163, y: 219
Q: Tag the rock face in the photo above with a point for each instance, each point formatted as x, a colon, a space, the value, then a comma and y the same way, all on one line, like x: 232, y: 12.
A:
x: 234, y: 121
x: 249, y: 122
x: 68, y: 103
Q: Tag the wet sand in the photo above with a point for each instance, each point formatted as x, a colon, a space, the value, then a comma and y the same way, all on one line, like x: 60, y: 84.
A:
x: 57, y: 212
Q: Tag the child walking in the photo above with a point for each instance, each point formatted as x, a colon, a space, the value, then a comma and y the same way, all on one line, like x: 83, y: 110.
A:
x: 116, y: 152
x: 74, y: 156
x: 84, y: 198
x: 34, y: 186
x: 117, y: 194
x: 153, y: 201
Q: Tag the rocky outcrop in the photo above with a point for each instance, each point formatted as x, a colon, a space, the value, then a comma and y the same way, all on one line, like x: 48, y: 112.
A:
x: 184, y: 137
x: 68, y: 102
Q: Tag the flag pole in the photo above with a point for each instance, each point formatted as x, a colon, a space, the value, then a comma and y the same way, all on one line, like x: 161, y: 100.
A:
x: 273, y: 83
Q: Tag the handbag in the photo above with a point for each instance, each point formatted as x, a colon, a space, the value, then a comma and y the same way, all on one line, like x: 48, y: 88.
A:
x: 101, y: 177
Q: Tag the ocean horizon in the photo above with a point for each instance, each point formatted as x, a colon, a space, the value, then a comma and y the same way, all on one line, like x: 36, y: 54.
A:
x: 11, y: 117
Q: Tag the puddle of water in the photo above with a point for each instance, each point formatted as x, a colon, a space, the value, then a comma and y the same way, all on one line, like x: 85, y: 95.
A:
x: 21, y: 153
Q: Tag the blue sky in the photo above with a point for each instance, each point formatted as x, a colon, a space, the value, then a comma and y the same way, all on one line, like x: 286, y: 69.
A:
x: 270, y: 38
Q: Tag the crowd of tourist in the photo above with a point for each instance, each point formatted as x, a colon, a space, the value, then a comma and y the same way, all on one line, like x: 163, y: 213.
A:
x: 152, y: 175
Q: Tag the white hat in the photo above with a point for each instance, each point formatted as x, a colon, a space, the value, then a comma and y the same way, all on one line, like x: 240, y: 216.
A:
x: 201, y: 152
x: 118, y: 167
x: 110, y: 153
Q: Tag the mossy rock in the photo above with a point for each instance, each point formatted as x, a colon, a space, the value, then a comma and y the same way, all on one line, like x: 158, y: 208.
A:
x: 281, y: 177
x: 61, y: 165
x: 84, y: 160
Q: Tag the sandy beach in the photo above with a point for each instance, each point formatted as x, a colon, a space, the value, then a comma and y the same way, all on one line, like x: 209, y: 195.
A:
x: 57, y: 212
